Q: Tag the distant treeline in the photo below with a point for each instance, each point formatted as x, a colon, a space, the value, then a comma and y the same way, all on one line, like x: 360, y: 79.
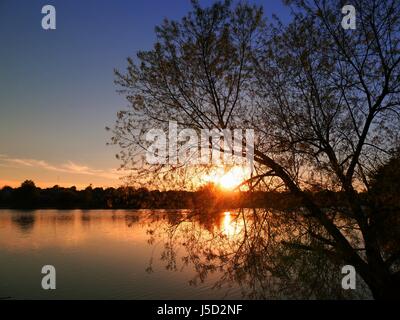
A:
x: 28, y: 196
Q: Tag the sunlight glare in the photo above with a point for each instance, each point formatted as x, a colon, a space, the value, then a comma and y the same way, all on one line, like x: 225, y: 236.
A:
x: 227, y: 180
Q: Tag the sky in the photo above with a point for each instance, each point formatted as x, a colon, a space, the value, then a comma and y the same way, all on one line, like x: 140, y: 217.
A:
x: 56, y: 86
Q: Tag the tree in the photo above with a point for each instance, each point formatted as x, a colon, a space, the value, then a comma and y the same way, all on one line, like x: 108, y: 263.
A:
x: 26, y: 196
x: 384, y: 194
x: 324, y: 102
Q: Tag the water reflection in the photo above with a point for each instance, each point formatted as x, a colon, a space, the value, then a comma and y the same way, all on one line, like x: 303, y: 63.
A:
x: 25, y: 221
x: 231, y: 225
x: 263, y: 252
x: 163, y: 254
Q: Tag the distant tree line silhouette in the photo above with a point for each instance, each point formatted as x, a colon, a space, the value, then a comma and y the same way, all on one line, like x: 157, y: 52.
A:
x: 29, y: 196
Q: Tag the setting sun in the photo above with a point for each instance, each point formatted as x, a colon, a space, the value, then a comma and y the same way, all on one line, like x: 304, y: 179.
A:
x: 228, y: 180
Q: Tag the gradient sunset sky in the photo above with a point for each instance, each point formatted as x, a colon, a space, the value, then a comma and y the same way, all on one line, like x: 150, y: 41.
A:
x: 56, y: 87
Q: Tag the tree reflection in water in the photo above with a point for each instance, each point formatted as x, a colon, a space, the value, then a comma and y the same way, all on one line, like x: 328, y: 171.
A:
x: 268, y: 254
x: 25, y: 221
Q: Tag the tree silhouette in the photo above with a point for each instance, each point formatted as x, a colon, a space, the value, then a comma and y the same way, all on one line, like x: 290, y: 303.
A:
x: 324, y: 102
x: 27, y: 195
x: 384, y: 194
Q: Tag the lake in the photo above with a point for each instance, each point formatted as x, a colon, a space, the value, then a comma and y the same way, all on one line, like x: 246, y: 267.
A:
x: 164, y: 254
x: 98, y: 254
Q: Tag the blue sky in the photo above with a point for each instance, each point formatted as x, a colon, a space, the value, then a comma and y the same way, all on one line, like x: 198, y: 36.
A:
x: 56, y: 87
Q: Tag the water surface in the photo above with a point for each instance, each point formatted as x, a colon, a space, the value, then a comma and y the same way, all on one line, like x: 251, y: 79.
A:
x: 98, y: 254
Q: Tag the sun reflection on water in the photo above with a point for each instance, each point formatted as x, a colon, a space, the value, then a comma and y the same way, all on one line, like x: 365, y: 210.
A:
x: 231, y: 225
